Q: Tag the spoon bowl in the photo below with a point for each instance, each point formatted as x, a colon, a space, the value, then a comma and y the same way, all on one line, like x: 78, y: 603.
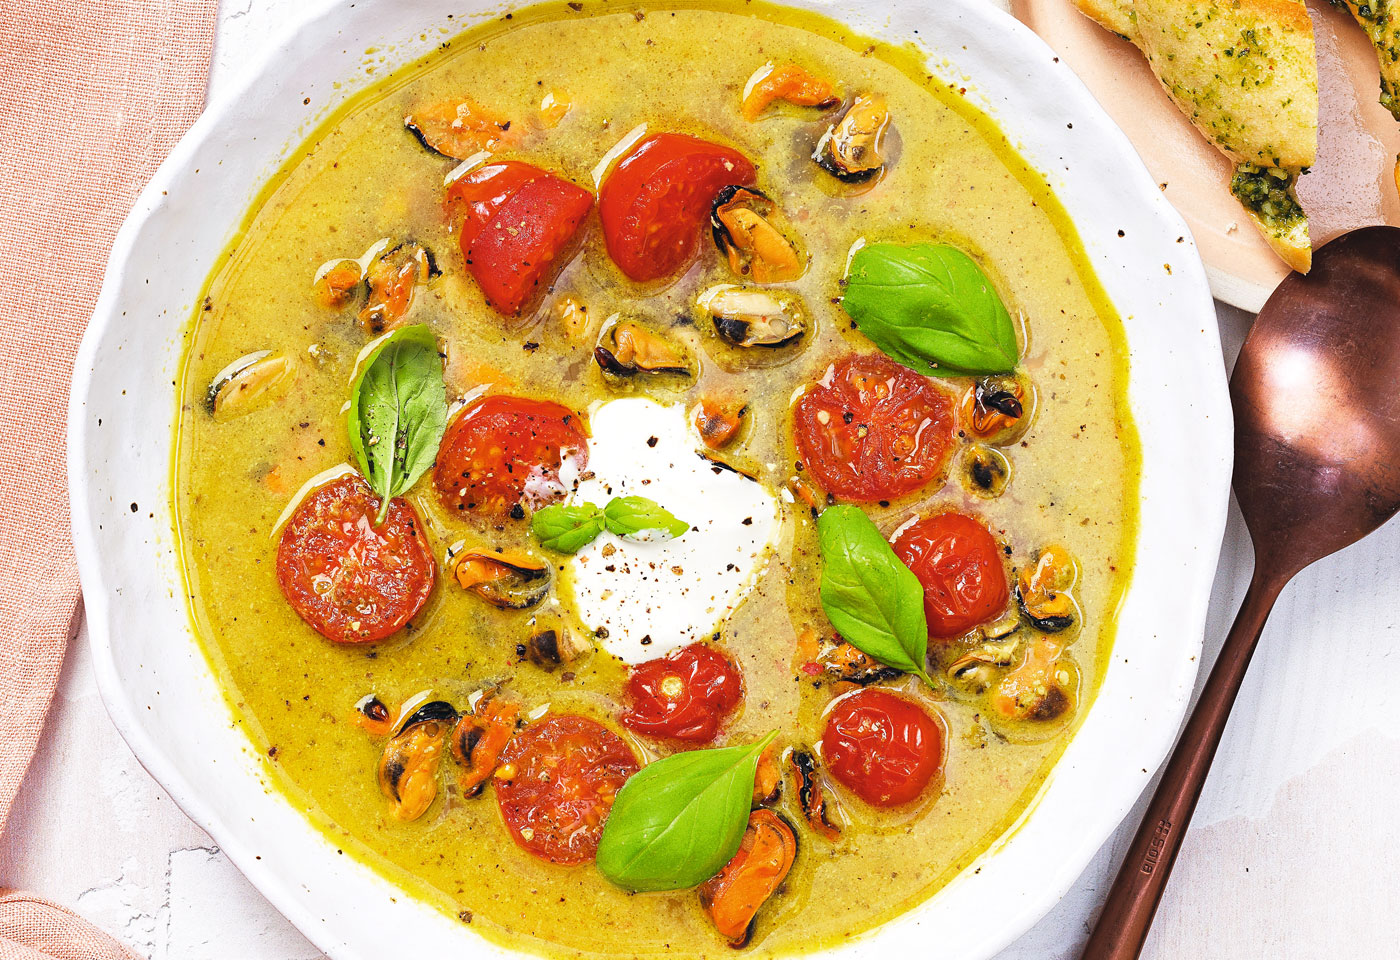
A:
x: 1317, y: 467
x: 1317, y: 412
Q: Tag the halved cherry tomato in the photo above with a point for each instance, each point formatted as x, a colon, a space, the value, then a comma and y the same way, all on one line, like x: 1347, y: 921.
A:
x: 873, y: 429
x: 515, y: 223
x: 685, y: 695
x: 734, y: 895
x: 655, y: 201
x: 959, y: 563
x: 884, y: 748
x: 556, y: 784
x: 503, y: 451
x: 352, y: 581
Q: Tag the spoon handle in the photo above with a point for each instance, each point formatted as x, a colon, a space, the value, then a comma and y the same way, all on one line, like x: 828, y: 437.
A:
x: 1127, y: 914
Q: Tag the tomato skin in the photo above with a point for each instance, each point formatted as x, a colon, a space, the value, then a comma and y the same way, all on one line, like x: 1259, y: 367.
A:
x: 685, y: 695
x: 556, y: 784
x: 502, y: 451
x: 888, y: 431
x: 515, y: 223
x: 959, y: 563
x: 884, y: 748
x: 373, y: 580
x: 656, y: 199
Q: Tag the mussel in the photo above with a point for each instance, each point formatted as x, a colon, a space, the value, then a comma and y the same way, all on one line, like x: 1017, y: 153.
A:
x: 627, y: 348
x: 985, y: 471
x: 788, y: 83
x: 572, y: 316
x: 374, y: 716
x: 997, y: 409
x: 979, y: 667
x: 248, y: 383
x: 1043, y: 591
x: 457, y: 128
x: 768, y: 778
x: 1041, y: 689
x: 509, y: 579
x: 844, y: 662
x: 480, y: 737
x: 408, y: 767
x: 717, y: 424
x: 555, y: 646
x: 755, y: 248
x: 337, y: 282
x: 733, y: 897
x: 811, y: 796
x: 748, y: 317
x: 851, y: 149
x: 391, y: 280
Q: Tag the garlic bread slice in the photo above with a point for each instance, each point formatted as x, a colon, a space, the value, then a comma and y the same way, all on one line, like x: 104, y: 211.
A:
x: 1244, y: 72
x: 1267, y: 195
x: 1381, y: 21
x: 1115, y: 16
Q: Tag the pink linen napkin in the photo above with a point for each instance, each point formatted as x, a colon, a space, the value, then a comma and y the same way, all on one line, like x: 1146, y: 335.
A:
x: 93, y: 93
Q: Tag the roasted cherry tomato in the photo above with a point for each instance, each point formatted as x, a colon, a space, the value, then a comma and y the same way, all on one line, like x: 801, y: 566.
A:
x: 884, y: 748
x: 654, y: 202
x: 873, y: 429
x: 514, y: 224
x: 685, y: 695
x: 353, y: 581
x: 556, y: 784
x: 959, y: 563
x: 504, y: 451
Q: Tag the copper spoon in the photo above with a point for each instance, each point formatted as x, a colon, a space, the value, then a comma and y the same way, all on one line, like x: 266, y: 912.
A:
x: 1316, y: 392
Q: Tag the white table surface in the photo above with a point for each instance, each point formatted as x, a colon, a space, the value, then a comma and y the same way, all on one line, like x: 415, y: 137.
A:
x: 1281, y: 862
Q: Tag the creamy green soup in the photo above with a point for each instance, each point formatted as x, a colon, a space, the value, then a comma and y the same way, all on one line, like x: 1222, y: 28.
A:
x: 950, y: 178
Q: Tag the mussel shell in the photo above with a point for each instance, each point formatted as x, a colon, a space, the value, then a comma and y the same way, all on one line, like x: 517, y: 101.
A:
x: 403, y: 252
x: 810, y: 792
x: 754, y: 328
x: 554, y: 646
x: 373, y: 708
x: 827, y: 150
x: 1043, y: 624
x: 827, y: 162
x: 986, y: 471
x: 739, y: 332
x: 605, y: 353
x: 249, y: 383
x: 726, y: 195
x: 435, y: 711
x: 525, y: 586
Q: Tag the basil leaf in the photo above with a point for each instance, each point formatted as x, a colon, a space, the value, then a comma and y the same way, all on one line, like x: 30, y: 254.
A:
x: 679, y: 820
x: 931, y: 308
x: 872, y: 599
x: 566, y: 528
x: 570, y: 528
x: 629, y: 516
x: 398, y: 411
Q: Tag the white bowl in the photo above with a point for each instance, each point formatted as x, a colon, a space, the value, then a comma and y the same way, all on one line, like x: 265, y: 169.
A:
x: 160, y: 690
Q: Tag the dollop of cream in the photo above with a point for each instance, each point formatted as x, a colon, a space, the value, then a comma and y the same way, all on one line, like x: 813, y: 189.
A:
x: 647, y: 597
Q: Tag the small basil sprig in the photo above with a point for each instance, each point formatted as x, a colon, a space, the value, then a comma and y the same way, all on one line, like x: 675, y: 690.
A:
x: 931, y: 308
x: 679, y: 820
x: 568, y: 528
x: 872, y: 599
x: 398, y: 411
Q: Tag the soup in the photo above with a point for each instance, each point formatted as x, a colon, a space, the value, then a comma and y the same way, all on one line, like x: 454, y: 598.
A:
x: 756, y: 497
